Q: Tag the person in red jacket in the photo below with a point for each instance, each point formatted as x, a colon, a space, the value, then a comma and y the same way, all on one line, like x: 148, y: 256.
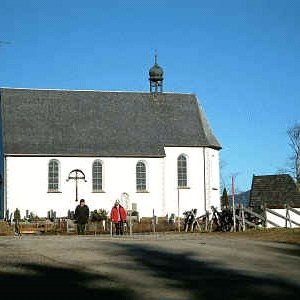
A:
x: 118, y: 217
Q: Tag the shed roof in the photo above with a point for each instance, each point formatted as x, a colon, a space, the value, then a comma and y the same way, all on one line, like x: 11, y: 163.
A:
x: 274, y: 190
x: 79, y: 123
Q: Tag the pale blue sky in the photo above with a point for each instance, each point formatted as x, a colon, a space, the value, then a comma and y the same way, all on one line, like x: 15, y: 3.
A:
x: 240, y: 57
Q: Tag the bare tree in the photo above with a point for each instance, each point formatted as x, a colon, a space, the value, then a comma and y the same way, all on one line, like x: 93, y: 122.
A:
x: 294, y: 137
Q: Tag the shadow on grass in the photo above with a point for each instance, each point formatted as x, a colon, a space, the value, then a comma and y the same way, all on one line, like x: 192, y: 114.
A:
x: 288, y: 249
x: 208, y: 280
x: 42, y: 282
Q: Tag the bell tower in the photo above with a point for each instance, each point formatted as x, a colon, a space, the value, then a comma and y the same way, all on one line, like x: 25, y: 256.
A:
x: 156, y: 78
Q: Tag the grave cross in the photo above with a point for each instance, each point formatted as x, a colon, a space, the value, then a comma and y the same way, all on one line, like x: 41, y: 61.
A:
x: 76, y: 175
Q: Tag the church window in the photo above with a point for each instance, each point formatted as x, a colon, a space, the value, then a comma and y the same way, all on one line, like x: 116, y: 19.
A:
x: 141, y: 177
x: 53, y: 176
x: 97, y: 176
x: 182, y: 171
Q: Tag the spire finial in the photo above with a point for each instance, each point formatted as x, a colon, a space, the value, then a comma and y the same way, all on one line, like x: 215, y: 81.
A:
x: 155, y: 56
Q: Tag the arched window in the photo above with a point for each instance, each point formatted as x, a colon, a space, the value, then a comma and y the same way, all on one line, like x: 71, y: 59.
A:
x: 53, y: 176
x: 182, y: 171
x: 97, y: 176
x: 141, y: 177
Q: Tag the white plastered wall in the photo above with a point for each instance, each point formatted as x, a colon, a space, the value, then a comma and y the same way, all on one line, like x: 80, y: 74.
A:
x: 26, y: 183
x: 202, y: 176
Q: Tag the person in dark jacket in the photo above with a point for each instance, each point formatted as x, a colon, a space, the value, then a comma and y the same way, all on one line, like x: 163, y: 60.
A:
x: 17, y: 218
x: 118, y: 217
x: 82, y: 213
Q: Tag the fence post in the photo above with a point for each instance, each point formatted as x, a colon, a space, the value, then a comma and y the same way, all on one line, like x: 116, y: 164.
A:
x: 243, y: 218
x: 287, y: 207
x: 130, y: 228
x: 130, y: 222
x: 206, y: 220
x: 265, y: 215
x: 240, y: 217
x: 234, y: 219
x: 178, y: 218
x: 153, y: 221
x: 286, y: 215
x: 233, y: 204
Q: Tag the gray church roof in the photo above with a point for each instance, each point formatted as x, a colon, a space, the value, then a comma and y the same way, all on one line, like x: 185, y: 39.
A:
x: 96, y: 123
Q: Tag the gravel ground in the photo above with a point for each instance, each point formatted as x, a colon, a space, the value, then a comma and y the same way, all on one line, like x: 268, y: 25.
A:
x: 182, y: 266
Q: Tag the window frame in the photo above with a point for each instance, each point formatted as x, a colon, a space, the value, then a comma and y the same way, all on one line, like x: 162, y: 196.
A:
x: 97, y: 190
x: 182, y: 172
x: 54, y: 175
x: 141, y: 175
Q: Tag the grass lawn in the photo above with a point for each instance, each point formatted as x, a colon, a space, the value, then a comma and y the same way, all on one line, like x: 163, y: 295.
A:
x: 284, y: 235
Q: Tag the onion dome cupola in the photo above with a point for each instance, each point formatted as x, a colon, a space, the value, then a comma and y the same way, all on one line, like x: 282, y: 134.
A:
x: 156, y: 77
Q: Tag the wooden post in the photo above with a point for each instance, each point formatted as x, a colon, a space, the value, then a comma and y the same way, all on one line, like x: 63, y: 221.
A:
x: 288, y: 218
x: 265, y: 215
x: 130, y: 222
x: 178, y: 218
x: 130, y: 227
x: 233, y: 204
x: 153, y: 220
x: 240, y: 217
x: 243, y: 218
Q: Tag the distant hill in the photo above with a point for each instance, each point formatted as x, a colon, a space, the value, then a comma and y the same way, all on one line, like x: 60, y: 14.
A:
x: 240, y: 198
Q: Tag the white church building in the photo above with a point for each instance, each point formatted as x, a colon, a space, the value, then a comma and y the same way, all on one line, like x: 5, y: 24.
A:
x: 153, y: 150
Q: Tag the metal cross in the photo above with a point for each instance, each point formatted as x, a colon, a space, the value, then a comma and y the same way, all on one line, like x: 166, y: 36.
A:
x: 76, y: 175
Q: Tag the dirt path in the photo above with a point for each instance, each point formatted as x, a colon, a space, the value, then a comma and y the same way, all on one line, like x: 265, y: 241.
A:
x: 148, y: 267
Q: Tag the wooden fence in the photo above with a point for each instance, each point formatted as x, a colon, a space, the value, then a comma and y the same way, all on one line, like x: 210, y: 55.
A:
x: 245, y: 218
x: 288, y: 217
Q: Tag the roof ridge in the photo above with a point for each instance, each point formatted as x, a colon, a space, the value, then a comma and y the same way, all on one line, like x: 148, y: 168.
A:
x: 92, y: 90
